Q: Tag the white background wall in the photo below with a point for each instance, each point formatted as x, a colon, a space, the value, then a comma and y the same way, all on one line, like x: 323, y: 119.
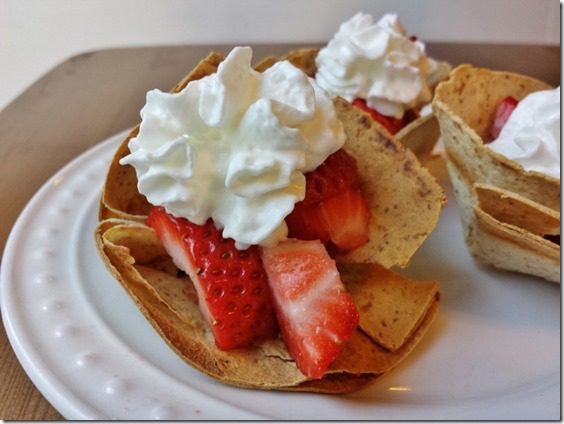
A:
x: 35, y: 35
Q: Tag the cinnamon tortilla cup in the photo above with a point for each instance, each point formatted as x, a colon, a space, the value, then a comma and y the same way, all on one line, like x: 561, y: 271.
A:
x: 405, y: 202
x: 506, y: 211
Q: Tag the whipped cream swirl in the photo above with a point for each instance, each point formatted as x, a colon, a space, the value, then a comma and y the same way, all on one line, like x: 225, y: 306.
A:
x: 531, y: 135
x: 234, y: 146
x: 379, y: 63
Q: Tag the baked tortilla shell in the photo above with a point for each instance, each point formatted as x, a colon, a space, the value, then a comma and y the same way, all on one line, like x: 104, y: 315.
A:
x: 465, y: 107
x: 505, y: 210
x: 405, y: 200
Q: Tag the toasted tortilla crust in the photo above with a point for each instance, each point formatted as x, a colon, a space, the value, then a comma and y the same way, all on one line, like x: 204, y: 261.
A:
x: 404, y: 198
x: 508, y: 247
x: 511, y: 208
x: 133, y: 254
x: 504, y: 245
x: 492, y: 190
x: 385, y: 320
x: 303, y: 59
x: 420, y: 136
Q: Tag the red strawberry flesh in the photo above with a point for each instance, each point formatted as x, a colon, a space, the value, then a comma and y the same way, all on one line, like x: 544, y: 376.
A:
x: 306, y: 223
x: 503, y: 112
x: 333, y: 209
x: 337, y: 173
x: 315, y: 313
x: 393, y: 125
x: 232, y: 287
x: 346, y: 216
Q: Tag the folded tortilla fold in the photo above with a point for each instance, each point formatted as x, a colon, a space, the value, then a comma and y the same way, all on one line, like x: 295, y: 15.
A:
x: 511, y: 208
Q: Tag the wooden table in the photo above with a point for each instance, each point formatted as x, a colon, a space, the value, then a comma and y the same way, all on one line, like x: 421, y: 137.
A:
x: 95, y: 95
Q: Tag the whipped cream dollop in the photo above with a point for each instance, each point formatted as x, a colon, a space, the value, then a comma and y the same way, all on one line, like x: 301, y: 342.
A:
x: 531, y: 135
x: 379, y: 63
x: 234, y: 146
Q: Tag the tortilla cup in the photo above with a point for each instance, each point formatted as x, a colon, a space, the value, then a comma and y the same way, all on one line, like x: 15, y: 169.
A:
x: 405, y: 202
x: 492, y: 190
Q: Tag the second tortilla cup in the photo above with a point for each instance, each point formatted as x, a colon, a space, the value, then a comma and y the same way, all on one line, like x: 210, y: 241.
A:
x: 465, y: 106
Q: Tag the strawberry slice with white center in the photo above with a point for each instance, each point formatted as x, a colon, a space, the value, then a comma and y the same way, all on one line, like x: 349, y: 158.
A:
x: 232, y: 287
x: 315, y: 313
x: 346, y: 217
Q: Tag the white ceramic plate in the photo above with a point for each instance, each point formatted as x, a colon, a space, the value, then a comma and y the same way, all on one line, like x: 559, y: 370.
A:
x: 492, y: 353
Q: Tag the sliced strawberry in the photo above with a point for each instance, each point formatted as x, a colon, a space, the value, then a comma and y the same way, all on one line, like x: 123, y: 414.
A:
x: 346, y: 217
x: 314, y: 312
x: 232, y: 287
x: 502, y: 114
x: 337, y: 173
x: 306, y: 223
x: 331, y: 180
x: 393, y: 125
